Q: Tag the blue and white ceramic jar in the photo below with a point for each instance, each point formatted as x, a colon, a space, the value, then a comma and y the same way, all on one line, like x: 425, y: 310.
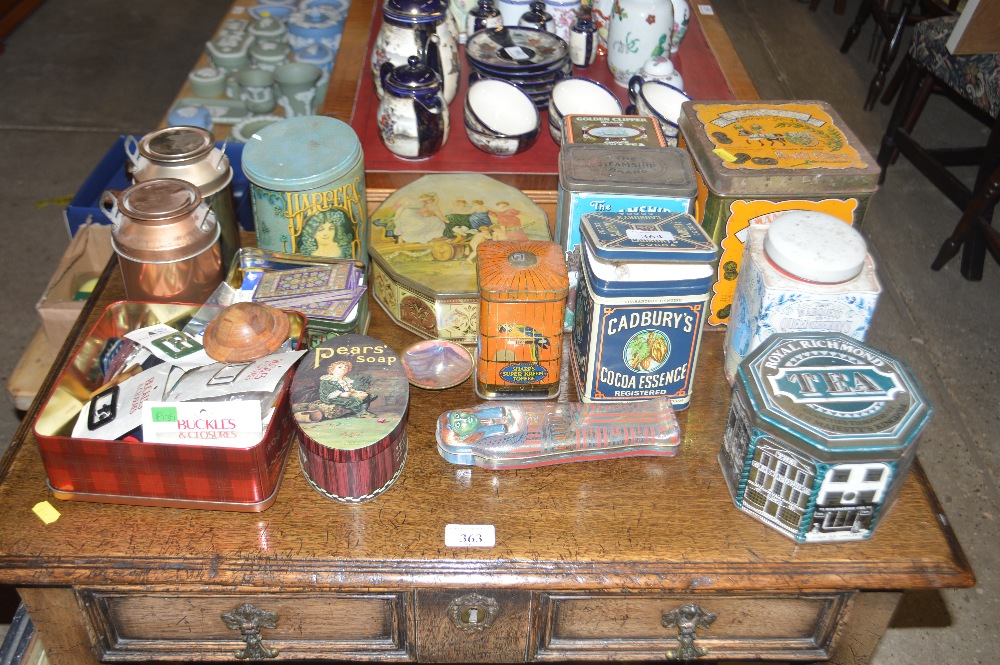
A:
x: 318, y: 24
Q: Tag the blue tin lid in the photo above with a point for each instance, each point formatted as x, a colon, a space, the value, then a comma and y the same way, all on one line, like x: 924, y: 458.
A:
x: 833, y: 397
x: 642, y: 237
x: 300, y: 153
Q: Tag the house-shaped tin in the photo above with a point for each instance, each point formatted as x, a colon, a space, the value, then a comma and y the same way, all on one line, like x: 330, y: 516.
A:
x: 821, y: 432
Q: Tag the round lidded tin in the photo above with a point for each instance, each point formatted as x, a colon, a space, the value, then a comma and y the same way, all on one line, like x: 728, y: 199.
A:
x: 821, y: 432
x: 640, y: 307
x: 350, y: 397
x: 806, y: 271
x: 167, y: 241
x: 307, y: 186
x: 190, y: 154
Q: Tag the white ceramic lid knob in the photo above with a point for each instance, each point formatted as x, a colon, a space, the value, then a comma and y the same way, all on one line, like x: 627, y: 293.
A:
x: 815, y: 246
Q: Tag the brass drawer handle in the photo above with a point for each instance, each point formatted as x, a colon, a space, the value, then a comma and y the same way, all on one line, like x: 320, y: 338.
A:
x: 247, y: 619
x: 472, y: 612
x: 687, y: 619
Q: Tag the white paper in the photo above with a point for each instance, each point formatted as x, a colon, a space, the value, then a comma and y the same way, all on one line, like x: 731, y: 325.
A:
x: 221, y: 379
x: 119, y: 412
x: 171, y: 345
x: 235, y: 424
x: 470, y: 535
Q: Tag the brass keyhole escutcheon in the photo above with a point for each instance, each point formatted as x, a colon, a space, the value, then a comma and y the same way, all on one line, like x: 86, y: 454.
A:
x: 248, y: 620
x: 687, y: 619
x: 473, y: 613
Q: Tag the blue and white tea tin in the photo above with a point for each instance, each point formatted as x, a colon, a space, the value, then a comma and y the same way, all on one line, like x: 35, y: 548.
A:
x: 821, y: 432
x: 307, y: 186
x: 640, y: 306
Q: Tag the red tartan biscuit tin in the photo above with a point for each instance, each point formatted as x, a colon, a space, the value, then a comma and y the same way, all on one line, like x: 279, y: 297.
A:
x: 155, y: 474
x: 349, y: 399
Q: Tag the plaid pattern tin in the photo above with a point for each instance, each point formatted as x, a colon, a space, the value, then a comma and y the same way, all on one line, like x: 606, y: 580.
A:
x: 154, y: 474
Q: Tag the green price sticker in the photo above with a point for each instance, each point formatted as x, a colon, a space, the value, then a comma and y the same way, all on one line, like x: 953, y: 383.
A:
x: 164, y: 414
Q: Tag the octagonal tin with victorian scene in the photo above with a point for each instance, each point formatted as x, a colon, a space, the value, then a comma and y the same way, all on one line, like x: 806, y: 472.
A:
x: 350, y: 399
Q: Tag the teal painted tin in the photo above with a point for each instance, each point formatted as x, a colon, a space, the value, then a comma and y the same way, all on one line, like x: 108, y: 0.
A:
x: 307, y: 187
x: 822, y: 430
x: 640, y: 306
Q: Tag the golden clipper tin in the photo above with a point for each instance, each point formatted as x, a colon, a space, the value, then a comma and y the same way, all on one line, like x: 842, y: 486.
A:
x: 523, y: 287
x: 755, y: 159
x: 640, y: 307
x: 822, y: 430
x: 307, y: 187
x: 350, y: 397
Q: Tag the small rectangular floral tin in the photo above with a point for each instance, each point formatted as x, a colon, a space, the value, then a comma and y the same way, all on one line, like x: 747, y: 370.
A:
x: 637, y: 131
x: 640, y: 306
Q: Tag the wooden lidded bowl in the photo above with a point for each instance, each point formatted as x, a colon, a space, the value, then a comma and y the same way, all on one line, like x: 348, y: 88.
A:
x: 245, y: 331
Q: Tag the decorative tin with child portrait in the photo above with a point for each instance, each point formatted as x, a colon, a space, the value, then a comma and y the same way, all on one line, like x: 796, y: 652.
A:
x: 523, y: 287
x: 307, y: 186
x: 350, y: 399
x: 822, y: 430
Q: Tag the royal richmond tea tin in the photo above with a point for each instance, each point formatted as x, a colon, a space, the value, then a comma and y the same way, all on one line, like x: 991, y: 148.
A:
x: 640, y: 306
x: 207, y: 475
x: 523, y: 287
x: 807, y: 271
x: 307, y: 187
x: 608, y: 179
x: 349, y: 398
x: 822, y: 430
x: 755, y: 159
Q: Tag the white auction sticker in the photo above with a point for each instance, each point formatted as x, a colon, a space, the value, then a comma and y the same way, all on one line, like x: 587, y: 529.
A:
x: 470, y: 535
x: 706, y: 10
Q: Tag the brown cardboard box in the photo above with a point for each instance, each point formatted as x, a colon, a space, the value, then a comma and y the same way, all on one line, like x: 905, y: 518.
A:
x: 86, y: 257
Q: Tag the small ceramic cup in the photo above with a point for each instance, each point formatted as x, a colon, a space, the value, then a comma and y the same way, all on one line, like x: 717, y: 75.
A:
x: 660, y: 100
x: 500, y: 118
x: 575, y: 94
x: 297, y: 83
x: 208, y: 82
x: 256, y: 89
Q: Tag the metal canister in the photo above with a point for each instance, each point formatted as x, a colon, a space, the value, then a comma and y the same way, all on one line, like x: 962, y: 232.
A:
x: 190, y: 154
x: 167, y: 241
x: 307, y: 185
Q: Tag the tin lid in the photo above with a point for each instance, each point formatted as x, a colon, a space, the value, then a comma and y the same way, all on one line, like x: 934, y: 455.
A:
x: 658, y: 237
x: 625, y: 170
x: 185, y: 152
x: 779, y: 148
x: 161, y: 221
x: 302, y: 152
x: 626, y: 130
x: 815, y: 246
x: 532, y: 271
x: 350, y: 396
x: 832, y: 396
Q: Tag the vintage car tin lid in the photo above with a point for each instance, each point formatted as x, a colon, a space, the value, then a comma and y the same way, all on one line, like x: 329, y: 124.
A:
x: 644, y: 237
x: 776, y: 148
x: 833, y: 395
x: 625, y: 170
x: 530, y: 271
x: 303, y: 152
x: 350, y: 396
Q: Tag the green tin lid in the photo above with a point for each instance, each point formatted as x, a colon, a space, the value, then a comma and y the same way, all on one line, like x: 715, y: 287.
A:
x: 300, y: 153
x: 833, y: 397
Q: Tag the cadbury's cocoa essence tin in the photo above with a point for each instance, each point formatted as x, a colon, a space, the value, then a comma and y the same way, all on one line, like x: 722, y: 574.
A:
x: 307, y: 186
x: 640, y: 307
x: 807, y: 271
x: 822, y: 430
x: 755, y: 159
x: 350, y: 397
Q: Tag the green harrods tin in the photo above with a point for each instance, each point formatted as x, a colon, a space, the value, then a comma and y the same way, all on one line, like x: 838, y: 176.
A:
x: 821, y: 433
x: 307, y: 186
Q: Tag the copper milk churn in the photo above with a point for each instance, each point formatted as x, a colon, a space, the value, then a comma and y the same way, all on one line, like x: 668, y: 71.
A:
x: 190, y: 154
x: 167, y: 240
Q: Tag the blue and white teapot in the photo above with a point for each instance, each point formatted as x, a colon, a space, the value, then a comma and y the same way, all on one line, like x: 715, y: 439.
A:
x: 412, y: 115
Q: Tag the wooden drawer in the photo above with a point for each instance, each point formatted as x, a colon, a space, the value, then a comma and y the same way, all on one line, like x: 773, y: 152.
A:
x: 190, y: 625
x: 619, y: 627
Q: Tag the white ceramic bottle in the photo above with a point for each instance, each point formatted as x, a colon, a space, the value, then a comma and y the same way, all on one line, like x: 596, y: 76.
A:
x: 637, y: 30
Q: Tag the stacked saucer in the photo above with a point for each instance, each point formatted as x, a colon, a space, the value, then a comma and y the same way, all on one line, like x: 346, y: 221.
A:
x: 531, y: 59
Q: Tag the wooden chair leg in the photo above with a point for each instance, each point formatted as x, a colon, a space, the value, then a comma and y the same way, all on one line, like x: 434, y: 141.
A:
x: 985, y: 193
x: 864, y: 12
x: 971, y: 224
x: 900, y: 113
x: 889, y: 51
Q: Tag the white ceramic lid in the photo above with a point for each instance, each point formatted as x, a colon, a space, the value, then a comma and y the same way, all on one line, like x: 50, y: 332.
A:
x: 815, y: 246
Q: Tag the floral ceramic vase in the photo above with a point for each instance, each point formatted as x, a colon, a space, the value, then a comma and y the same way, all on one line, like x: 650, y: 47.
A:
x: 637, y: 30
x: 682, y: 16
x: 600, y: 14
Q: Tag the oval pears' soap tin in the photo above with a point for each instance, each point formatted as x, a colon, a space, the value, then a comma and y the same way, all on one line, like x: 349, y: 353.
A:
x: 350, y: 397
x: 307, y: 187
x: 640, y: 307
x: 821, y: 432
x: 754, y: 159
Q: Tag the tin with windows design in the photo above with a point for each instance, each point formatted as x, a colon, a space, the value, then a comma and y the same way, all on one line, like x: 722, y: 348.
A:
x: 822, y: 430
